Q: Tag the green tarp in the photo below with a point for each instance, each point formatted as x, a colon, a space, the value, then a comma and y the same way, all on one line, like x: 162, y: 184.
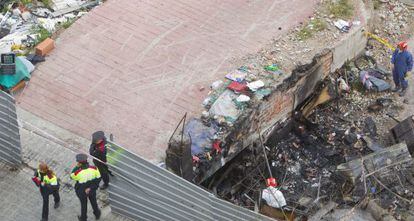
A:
x: 9, y: 81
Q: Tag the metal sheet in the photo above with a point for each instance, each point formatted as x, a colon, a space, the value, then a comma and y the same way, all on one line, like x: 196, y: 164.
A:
x: 10, y: 149
x: 141, y: 190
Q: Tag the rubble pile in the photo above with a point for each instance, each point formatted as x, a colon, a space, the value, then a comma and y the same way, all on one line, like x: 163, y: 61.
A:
x: 305, y: 162
x: 26, y: 29
x: 231, y: 99
x: 313, y: 152
x: 25, y: 25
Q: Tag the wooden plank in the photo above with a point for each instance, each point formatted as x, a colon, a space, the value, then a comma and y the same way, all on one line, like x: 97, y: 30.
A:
x: 404, y: 131
x: 374, y: 161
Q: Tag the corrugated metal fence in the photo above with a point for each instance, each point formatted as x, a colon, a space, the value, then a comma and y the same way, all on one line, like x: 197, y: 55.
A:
x: 141, y: 190
x: 10, y: 149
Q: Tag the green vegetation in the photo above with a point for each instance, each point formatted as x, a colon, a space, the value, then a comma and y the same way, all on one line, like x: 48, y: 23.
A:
x: 377, y: 4
x: 304, y: 33
x: 26, y: 2
x: 47, y: 3
x: 42, y: 34
x: 67, y: 23
x: 315, y: 25
x: 342, y: 9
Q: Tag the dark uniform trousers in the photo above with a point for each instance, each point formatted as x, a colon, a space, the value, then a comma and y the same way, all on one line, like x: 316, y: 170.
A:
x: 84, y: 202
x: 103, y: 170
x: 45, y: 195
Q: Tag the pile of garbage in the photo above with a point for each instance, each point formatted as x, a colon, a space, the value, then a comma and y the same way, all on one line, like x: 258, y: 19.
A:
x: 24, y: 26
x: 228, y: 103
x: 316, y: 157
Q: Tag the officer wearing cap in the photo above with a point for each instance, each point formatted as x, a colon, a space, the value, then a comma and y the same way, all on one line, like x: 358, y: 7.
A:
x: 87, y: 181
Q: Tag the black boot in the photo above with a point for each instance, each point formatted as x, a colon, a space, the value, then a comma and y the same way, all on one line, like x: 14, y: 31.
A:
x: 97, y: 215
x: 402, y: 92
x: 56, y: 205
x: 103, y: 187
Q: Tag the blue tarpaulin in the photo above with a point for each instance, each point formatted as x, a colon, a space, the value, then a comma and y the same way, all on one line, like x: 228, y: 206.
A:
x: 201, y: 136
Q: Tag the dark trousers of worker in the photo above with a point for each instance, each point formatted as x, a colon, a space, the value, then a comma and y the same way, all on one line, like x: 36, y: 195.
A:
x: 45, y: 195
x: 399, y: 79
x: 103, y: 170
x: 84, y: 203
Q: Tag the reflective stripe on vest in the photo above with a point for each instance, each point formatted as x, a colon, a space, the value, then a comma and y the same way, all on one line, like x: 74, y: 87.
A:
x: 85, y: 175
x: 50, y: 181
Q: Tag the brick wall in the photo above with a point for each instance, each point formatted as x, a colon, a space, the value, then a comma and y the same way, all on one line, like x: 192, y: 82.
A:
x: 262, y: 117
x: 274, y: 111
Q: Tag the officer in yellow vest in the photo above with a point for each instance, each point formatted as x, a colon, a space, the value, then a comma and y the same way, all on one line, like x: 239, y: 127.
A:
x: 87, y: 181
x: 48, y: 184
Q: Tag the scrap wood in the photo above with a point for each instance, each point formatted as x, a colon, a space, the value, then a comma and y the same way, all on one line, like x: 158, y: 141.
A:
x: 388, y: 166
x: 389, y: 190
x: 396, y: 153
x: 323, y: 97
x: 376, y: 211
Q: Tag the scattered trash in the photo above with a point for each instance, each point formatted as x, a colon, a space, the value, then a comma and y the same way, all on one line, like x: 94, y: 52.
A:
x: 255, y: 85
x: 373, y: 83
x: 272, y: 67
x: 243, y: 98
x: 224, y: 105
x: 357, y: 23
x: 273, y: 197
x: 237, y: 87
x: 262, y: 93
x: 343, y: 86
x: 216, y: 84
x: 201, y: 136
x: 342, y: 25
x: 237, y: 75
x: 29, y: 66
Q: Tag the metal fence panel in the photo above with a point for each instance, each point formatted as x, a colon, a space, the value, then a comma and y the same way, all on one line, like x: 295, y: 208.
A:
x: 10, y: 149
x: 141, y: 190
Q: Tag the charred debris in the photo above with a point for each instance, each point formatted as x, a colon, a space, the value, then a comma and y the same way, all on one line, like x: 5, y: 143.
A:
x: 338, y: 153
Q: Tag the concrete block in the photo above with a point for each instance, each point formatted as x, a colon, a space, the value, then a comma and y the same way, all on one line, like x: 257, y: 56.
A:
x: 45, y: 47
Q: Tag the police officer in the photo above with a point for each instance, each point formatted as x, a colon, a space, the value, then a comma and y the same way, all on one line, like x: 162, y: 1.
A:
x: 98, y: 149
x: 87, y: 181
x: 48, y: 184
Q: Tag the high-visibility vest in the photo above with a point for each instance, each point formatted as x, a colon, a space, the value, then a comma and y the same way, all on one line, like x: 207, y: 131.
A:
x: 84, y: 175
x: 49, y: 180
